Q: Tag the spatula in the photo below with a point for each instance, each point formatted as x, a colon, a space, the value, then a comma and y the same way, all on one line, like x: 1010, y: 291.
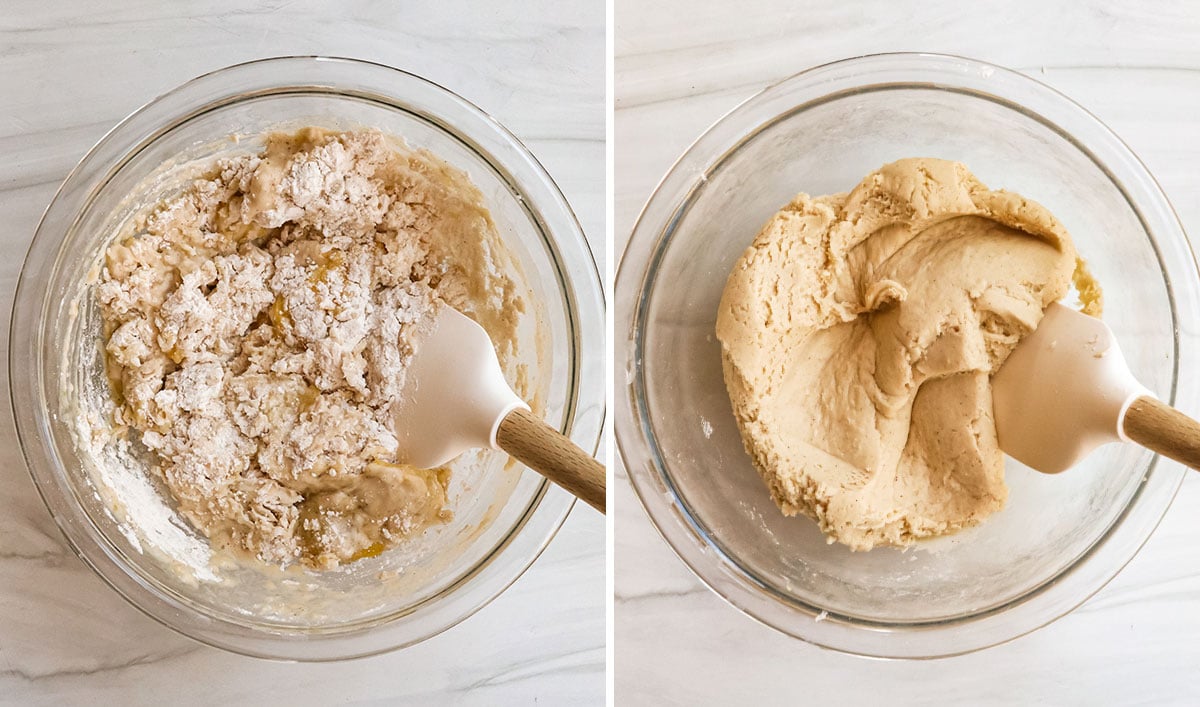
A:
x: 1066, y: 389
x: 455, y: 398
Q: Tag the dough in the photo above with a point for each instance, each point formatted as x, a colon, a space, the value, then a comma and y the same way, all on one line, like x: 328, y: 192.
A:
x: 258, y: 326
x: 859, y: 332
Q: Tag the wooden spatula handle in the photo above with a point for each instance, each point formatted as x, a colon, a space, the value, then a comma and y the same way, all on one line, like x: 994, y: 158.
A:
x: 550, y: 453
x: 1163, y: 429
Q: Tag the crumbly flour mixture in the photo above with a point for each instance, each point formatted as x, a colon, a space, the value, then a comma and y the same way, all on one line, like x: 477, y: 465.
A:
x: 859, y: 333
x: 257, y: 329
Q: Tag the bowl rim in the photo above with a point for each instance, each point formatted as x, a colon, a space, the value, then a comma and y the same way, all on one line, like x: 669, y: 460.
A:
x: 689, y: 538
x: 523, y: 174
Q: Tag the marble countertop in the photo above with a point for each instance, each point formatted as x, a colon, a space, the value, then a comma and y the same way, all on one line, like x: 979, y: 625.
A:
x: 68, y: 72
x: 1136, y: 66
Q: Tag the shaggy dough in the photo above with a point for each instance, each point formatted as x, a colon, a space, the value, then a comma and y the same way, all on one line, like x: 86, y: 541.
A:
x: 859, y: 332
x: 257, y: 329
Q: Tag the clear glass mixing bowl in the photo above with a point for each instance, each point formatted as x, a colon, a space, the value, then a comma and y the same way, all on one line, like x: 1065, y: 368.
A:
x: 1060, y: 538
x: 504, y: 516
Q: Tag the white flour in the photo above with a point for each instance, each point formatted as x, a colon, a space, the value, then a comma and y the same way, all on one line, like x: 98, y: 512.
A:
x: 257, y: 329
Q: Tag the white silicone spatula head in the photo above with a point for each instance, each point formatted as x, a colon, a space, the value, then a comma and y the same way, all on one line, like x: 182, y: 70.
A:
x: 455, y: 398
x: 1062, y: 392
x: 454, y: 394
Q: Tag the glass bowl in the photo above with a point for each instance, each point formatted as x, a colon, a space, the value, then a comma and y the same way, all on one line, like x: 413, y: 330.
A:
x: 1060, y: 538
x: 504, y: 514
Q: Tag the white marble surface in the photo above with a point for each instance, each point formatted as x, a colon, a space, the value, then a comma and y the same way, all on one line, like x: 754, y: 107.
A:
x: 680, y: 64
x: 68, y: 72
